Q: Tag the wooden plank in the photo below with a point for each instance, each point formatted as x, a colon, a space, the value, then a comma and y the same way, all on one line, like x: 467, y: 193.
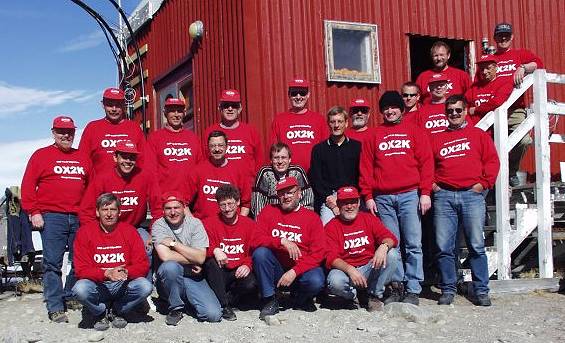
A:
x: 556, y: 108
x: 521, y: 131
x: 555, y: 78
x: 557, y: 138
x: 526, y: 222
x: 133, y: 57
x: 523, y: 285
x: 543, y: 175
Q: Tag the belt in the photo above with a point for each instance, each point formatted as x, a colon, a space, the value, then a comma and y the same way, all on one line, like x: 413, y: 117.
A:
x: 453, y: 189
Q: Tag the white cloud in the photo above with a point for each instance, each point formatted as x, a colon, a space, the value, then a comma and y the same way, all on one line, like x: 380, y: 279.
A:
x: 84, y: 42
x: 15, y: 99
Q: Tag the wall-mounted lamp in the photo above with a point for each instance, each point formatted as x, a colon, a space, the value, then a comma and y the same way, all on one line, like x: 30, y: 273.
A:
x: 196, y: 30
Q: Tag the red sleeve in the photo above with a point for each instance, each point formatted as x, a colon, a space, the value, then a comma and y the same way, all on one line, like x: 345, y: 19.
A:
x: 501, y: 94
x: 87, y: 212
x: 154, y: 199
x: 527, y: 56
x: 140, y: 142
x: 244, y: 184
x: 425, y: 158
x: 334, y: 242
x: 316, y: 251
x: 138, y: 264
x: 29, y: 185
x: 366, y: 168
x: 420, y: 83
x: 491, y: 163
x: 258, y: 150
x: 274, y: 131
x: 380, y: 232
x: 262, y: 236
x: 82, y: 258
x: 213, y: 239
x: 151, y: 159
x: 205, y: 149
x: 191, y: 185
x: 248, y: 260
x: 85, y: 145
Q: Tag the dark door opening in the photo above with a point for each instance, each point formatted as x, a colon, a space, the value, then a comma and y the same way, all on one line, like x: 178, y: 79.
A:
x: 420, y: 53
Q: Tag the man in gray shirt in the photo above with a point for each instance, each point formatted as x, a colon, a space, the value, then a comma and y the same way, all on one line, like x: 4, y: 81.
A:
x: 181, y: 242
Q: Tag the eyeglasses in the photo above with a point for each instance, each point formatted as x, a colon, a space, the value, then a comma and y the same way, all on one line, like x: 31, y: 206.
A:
x: 409, y: 95
x: 280, y: 158
x: 283, y: 193
x: 216, y: 146
x: 226, y: 105
x: 363, y: 110
x: 227, y: 205
x: 453, y: 110
x: 63, y: 132
x: 297, y: 92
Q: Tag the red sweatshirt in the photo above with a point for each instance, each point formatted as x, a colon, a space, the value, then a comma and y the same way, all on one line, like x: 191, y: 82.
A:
x: 203, y: 181
x: 55, y: 181
x: 459, y: 82
x: 465, y: 157
x: 99, y: 139
x: 234, y: 240
x: 431, y: 118
x: 488, y: 96
x: 355, y: 241
x: 96, y: 251
x: 302, y: 227
x: 168, y: 153
x: 362, y: 136
x: 244, y: 146
x: 300, y: 132
x: 133, y: 191
x: 397, y: 159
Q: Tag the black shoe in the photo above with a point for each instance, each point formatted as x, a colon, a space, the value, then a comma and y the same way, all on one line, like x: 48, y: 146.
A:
x: 228, y: 314
x: 58, y: 317
x: 73, y: 305
x: 117, y: 321
x: 101, y: 323
x: 270, y: 308
x: 143, y: 308
x: 446, y: 299
x: 374, y: 304
x: 482, y: 300
x: 396, y: 293
x: 411, y: 298
x: 174, y: 317
x: 306, y: 306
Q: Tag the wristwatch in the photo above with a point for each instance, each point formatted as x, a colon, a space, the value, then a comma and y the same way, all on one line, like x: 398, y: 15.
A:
x: 172, y: 244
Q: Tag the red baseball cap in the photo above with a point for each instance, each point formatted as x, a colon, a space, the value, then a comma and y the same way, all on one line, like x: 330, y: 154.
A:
x: 63, y: 122
x: 113, y: 93
x: 486, y: 59
x: 174, y: 102
x: 286, y: 183
x: 172, y: 196
x: 345, y: 193
x: 126, y: 146
x: 438, y: 78
x: 298, y: 83
x: 359, y: 102
x: 230, y: 95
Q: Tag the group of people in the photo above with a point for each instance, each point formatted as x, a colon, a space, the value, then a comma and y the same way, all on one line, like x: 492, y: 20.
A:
x: 344, y: 218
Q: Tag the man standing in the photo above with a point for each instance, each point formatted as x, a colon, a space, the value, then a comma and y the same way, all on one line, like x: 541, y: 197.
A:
x: 466, y: 164
x: 203, y: 181
x: 172, y: 149
x: 228, y: 264
x: 360, y: 253
x: 52, y: 187
x: 290, y: 248
x: 397, y: 166
x: 299, y: 127
x: 181, y: 242
x: 360, y: 112
x: 458, y: 81
x: 335, y: 163
x: 431, y: 116
x: 244, y: 144
x: 512, y: 66
x: 100, y: 137
x: 110, y: 264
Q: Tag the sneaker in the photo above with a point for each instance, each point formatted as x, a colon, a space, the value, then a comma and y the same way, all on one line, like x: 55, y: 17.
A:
x: 270, y: 308
x: 228, y: 314
x: 411, y: 298
x: 514, y: 181
x: 307, y: 306
x: 58, y: 317
x: 482, y: 300
x: 174, y: 317
x: 73, y: 305
x: 446, y: 299
x: 118, y: 322
x: 101, y: 322
x: 374, y: 304
x: 396, y: 293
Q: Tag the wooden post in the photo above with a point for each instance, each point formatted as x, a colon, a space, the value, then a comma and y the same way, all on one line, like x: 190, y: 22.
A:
x: 543, y: 175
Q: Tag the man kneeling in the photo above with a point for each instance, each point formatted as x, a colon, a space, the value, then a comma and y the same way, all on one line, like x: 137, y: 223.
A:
x: 111, y: 264
x: 359, y: 252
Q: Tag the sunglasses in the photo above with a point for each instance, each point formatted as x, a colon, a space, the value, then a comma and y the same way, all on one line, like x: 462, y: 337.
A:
x: 408, y: 95
x: 296, y: 92
x: 453, y: 110
x: 226, y: 105
x: 363, y: 110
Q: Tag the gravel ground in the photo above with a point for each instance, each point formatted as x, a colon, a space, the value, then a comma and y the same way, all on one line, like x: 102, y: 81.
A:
x: 534, y: 317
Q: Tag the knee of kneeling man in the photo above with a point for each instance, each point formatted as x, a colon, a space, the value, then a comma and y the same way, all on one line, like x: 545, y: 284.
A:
x: 393, y: 254
x: 82, y: 289
x: 261, y: 254
x: 211, y: 314
x: 145, y: 286
x: 170, y: 267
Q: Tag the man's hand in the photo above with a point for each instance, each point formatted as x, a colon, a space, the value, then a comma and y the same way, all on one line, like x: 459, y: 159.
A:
x: 287, y: 279
x: 292, y: 248
x: 478, y: 187
x: 242, y: 271
x: 196, y: 269
x: 371, y: 206
x: 425, y: 203
x: 435, y: 187
x: 119, y: 273
x: 167, y: 241
x: 519, y: 76
x: 220, y: 257
x: 331, y: 201
x: 379, y: 259
x: 148, y: 244
x: 37, y: 221
x: 356, y: 277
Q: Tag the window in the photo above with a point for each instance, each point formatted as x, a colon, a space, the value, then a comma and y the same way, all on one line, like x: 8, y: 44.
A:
x: 352, y: 53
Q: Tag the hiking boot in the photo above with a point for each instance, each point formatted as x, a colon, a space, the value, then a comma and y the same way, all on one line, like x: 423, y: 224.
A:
x: 269, y: 309
x: 73, y: 305
x: 143, y: 308
x: 101, y: 322
x: 23, y: 286
x: 396, y: 293
x: 306, y: 306
x: 228, y: 314
x: 446, y: 299
x: 173, y: 317
x: 411, y: 298
x: 119, y: 322
x: 374, y: 304
x: 36, y: 286
x: 482, y: 300
x: 58, y: 317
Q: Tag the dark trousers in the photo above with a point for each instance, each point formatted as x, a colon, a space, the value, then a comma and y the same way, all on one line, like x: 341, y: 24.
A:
x: 223, y: 281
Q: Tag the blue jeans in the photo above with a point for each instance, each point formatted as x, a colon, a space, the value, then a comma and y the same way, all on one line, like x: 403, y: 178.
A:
x: 58, y: 233
x: 269, y: 270
x: 340, y: 284
x: 148, y: 250
x: 120, y: 296
x: 400, y: 214
x: 177, y: 289
x: 464, y: 209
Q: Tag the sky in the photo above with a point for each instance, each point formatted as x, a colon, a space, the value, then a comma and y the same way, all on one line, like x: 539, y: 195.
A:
x: 55, y: 60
